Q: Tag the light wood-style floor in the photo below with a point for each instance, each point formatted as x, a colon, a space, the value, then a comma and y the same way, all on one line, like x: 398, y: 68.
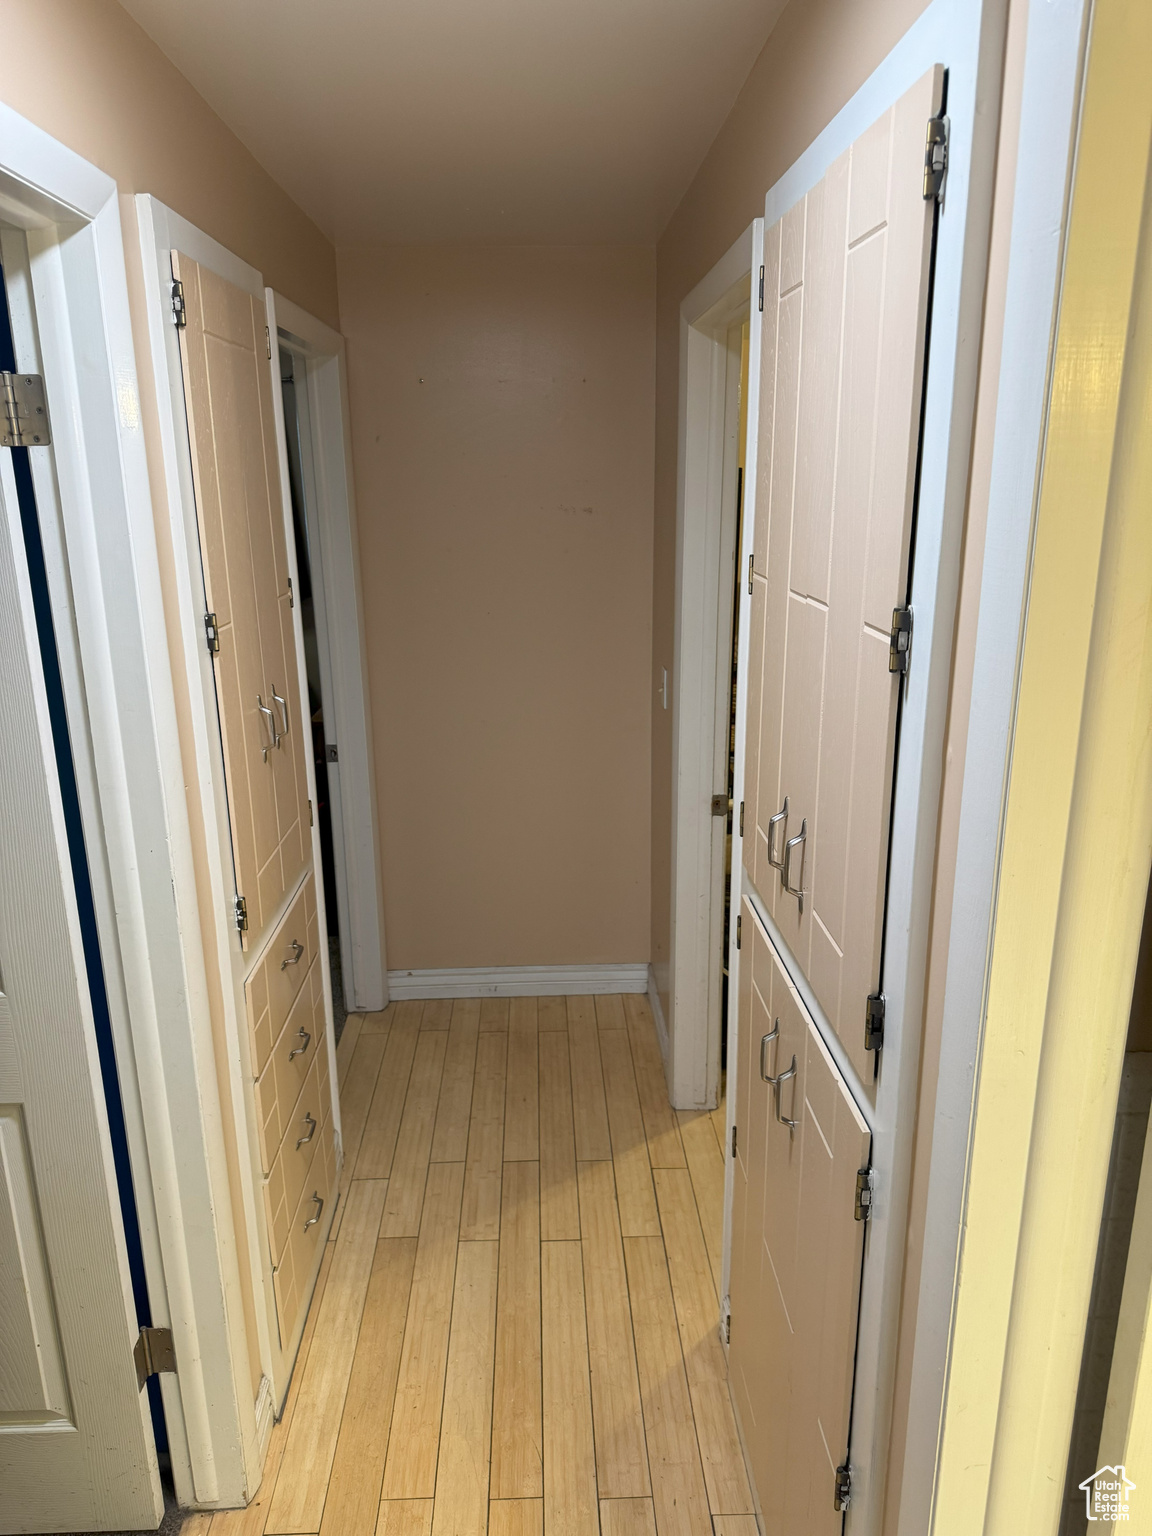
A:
x: 515, y: 1325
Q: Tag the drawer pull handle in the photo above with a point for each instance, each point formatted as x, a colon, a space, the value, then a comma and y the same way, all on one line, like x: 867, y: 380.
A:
x: 300, y: 1049
x: 312, y: 1220
x: 311, y: 1124
x: 283, y: 707
x: 294, y: 957
x: 773, y: 821
x: 765, y: 1042
x: 786, y: 871
x: 266, y: 713
x: 782, y: 1077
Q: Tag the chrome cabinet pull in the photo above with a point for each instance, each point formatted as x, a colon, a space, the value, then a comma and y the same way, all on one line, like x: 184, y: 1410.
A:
x: 270, y: 722
x: 312, y: 1220
x: 766, y: 1041
x: 311, y: 1124
x: 300, y: 1049
x: 782, y: 1077
x: 283, y: 706
x: 786, y: 871
x: 781, y: 815
x: 294, y: 958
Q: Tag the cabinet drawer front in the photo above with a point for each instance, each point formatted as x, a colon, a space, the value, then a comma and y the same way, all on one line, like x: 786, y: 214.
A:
x: 293, y: 1276
x: 294, y: 1160
x: 278, y: 975
x: 279, y: 1085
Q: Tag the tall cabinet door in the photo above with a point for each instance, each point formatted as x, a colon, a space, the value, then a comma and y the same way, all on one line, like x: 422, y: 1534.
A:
x: 797, y: 1250
x: 846, y: 290
x: 228, y: 393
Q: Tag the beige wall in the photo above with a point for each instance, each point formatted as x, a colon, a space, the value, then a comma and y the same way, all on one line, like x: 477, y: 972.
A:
x: 87, y: 74
x: 819, y: 53
x: 502, y: 425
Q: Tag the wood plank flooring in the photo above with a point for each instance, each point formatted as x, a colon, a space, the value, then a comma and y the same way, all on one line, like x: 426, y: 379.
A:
x: 515, y: 1329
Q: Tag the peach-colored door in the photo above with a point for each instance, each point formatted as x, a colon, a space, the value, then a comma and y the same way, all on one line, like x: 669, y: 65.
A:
x: 263, y: 722
x: 797, y: 1249
x: 846, y: 286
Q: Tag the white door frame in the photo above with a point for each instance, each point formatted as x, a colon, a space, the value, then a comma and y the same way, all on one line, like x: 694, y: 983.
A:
x: 1049, y: 114
x: 334, y: 552
x: 705, y: 560
x: 161, y: 232
x: 69, y: 296
x: 968, y: 40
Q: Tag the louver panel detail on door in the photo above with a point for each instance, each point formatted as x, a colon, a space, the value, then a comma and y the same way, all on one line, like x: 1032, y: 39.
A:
x: 228, y: 389
x: 845, y: 315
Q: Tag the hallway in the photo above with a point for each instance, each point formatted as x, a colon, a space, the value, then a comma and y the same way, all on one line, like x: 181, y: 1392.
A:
x: 515, y: 1324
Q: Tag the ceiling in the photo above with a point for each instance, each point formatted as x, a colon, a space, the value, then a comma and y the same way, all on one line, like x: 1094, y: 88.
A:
x: 491, y: 120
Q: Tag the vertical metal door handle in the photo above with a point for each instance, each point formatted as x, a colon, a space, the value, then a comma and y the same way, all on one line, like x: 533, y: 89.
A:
x: 312, y: 1220
x: 300, y: 1049
x: 283, y: 714
x: 270, y: 722
x: 786, y: 871
x: 311, y: 1124
x: 782, y: 1077
x: 781, y: 815
x: 294, y: 957
x: 765, y: 1042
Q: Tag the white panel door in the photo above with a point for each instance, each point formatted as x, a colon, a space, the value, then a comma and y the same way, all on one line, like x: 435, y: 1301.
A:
x: 846, y: 289
x: 797, y: 1250
x: 76, y: 1447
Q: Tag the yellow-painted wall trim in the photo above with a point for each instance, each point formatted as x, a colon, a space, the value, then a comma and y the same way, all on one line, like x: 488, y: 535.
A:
x: 1077, y: 839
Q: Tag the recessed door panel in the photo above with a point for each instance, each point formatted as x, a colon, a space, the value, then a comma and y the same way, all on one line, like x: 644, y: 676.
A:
x: 32, y: 1384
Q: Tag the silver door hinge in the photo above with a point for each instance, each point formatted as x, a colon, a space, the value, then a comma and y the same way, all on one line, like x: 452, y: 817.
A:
x: 25, y: 414
x: 311, y: 823
x: 935, y: 159
x: 727, y: 1327
x: 738, y: 920
x: 900, y: 645
x: 843, y: 1492
x: 864, y: 1191
x: 761, y: 287
x: 721, y: 805
x: 751, y: 558
x: 241, y: 913
x: 211, y: 634
x: 733, y: 1141
x: 874, y: 1010
x: 179, y: 309
x: 291, y: 594
x: 741, y: 818
x: 153, y: 1352
x: 268, y: 342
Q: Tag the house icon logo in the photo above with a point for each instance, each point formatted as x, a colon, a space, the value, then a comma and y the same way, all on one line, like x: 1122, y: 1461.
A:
x: 1106, y: 1494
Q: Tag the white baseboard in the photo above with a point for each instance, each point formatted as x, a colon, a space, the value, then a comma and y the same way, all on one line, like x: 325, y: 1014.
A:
x: 519, y: 981
x: 658, y: 1016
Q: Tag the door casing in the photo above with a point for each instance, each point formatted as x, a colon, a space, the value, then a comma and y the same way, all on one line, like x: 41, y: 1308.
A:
x: 162, y: 231
x: 334, y: 552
